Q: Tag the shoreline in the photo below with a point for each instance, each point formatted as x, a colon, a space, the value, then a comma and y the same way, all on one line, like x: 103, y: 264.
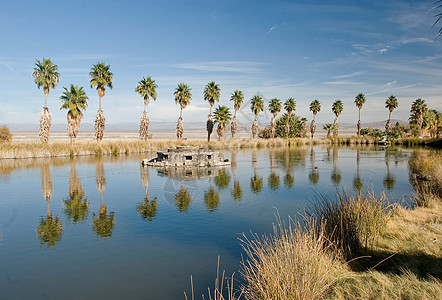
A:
x: 115, y: 146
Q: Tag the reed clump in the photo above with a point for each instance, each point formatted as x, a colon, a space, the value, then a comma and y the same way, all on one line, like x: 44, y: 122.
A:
x: 5, y: 135
x: 294, y: 263
x: 352, y: 222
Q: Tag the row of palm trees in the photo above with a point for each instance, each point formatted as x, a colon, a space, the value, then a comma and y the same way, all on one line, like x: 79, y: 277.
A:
x: 75, y: 100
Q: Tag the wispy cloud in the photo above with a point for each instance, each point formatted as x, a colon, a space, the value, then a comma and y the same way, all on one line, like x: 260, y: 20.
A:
x: 225, y: 66
x: 8, y: 66
x: 343, y: 82
x: 351, y: 75
x: 383, y: 50
x: 391, y: 83
x: 273, y: 28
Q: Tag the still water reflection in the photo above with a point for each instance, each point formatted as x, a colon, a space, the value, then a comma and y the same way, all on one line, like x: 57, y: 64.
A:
x: 108, y: 227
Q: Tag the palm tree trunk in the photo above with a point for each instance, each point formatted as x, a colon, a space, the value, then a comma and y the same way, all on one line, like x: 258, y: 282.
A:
x: 359, y: 123
x: 99, y: 101
x: 46, y: 92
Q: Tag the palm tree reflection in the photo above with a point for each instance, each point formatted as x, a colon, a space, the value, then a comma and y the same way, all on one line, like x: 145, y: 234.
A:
x: 103, y: 223
x: 211, y: 198
x: 183, y: 198
x: 336, y: 175
x: 147, y: 209
x: 237, y: 190
x: 314, y: 175
x: 357, y: 182
x: 273, y: 179
x: 50, y: 229
x: 76, y: 206
x: 389, y: 180
x: 256, y: 182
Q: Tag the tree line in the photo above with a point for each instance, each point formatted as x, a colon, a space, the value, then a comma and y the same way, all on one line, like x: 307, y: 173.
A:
x: 422, y: 120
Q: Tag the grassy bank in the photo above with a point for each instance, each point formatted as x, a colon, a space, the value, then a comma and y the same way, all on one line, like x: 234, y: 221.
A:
x: 127, y: 146
x: 354, y: 247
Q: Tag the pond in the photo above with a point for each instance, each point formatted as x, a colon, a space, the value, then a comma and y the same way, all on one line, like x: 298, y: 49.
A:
x: 109, y: 228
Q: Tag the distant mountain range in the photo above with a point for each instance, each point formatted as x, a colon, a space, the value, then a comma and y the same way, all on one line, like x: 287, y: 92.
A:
x: 170, y: 126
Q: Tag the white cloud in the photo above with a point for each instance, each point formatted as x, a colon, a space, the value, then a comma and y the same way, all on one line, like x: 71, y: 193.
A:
x: 273, y: 28
x: 342, y: 82
x: 390, y: 83
x: 224, y: 66
x: 382, y: 51
x: 351, y: 75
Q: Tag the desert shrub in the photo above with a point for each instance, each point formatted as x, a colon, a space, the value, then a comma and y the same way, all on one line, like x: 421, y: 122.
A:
x: 5, y: 134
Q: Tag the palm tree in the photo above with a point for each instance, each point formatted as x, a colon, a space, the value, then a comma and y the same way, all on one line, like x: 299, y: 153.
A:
x: 289, y: 106
x: 337, y: 109
x: 237, y: 97
x: 275, y: 108
x: 101, y: 77
x: 418, y: 107
x: 222, y: 117
x: 146, y: 87
x: 391, y: 104
x: 183, y: 96
x: 438, y: 18
x: 329, y: 127
x: 359, y: 102
x: 256, y: 105
x: 45, y: 75
x: 211, y: 94
x: 75, y: 100
x: 315, y: 107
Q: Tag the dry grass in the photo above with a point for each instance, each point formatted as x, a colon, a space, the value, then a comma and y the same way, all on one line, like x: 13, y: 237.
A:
x: 293, y: 263
x: 352, y: 221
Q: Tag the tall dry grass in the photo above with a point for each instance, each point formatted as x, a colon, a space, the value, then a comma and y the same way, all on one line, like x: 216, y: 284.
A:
x: 294, y: 263
x: 352, y: 221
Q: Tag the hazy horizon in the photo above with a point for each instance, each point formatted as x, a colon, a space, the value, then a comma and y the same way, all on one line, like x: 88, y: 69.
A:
x: 307, y: 50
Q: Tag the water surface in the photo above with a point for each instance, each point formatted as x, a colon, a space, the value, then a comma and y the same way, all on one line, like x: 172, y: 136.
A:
x: 106, y: 227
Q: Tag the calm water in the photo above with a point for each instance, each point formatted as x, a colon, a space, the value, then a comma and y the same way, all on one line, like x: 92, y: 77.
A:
x: 108, y: 228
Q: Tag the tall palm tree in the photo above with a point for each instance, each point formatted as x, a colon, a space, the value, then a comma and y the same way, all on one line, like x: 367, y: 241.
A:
x: 101, y: 77
x: 256, y: 105
x: 315, y: 107
x: 211, y: 94
x: 222, y: 117
x: 237, y: 97
x: 337, y: 109
x: 391, y: 103
x: 359, y: 102
x: 275, y: 108
x: 146, y: 87
x: 289, y: 106
x: 75, y: 100
x: 418, y: 107
x: 183, y: 96
x: 45, y: 75
x: 438, y: 18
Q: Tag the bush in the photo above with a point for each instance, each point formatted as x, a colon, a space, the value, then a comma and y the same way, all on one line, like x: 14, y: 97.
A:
x: 5, y: 134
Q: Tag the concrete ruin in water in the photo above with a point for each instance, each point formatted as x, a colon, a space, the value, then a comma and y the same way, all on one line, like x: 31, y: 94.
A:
x: 187, y: 156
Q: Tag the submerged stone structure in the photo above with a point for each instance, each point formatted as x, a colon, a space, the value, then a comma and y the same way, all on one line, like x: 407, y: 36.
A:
x: 187, y: 156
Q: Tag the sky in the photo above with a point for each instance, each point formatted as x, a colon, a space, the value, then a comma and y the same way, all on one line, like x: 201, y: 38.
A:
x: 325, y: 50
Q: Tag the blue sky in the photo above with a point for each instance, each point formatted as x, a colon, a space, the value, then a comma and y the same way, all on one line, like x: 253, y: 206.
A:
x: 307, y: 50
